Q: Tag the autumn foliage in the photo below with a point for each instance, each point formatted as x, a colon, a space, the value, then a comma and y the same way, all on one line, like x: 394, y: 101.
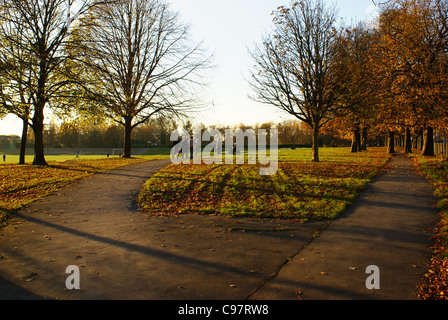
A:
x: 435, y: 285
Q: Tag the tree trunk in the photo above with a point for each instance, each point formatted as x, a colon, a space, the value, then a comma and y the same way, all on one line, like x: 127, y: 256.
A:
x: 415, y: 140
x: 38, y: 129
x: 315, y: 156
x: 39, y: 105
x: 358, y: 133
x: 23, y: 141
x: 407, y: 142
x: 127, y: 138
x: 391, y: 142
x: 355, y: 140
x: 364, y: 139
x: 422, y: 139
x: 428, y: 146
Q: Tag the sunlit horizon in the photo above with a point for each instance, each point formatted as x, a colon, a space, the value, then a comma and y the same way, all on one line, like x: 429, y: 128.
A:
x: 229, y: 29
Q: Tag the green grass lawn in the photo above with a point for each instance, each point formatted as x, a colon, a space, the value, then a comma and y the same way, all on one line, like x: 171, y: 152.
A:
x: 11, y: 159
x: 12, y: 155
x: 24, y: 184
x: 300, y: 189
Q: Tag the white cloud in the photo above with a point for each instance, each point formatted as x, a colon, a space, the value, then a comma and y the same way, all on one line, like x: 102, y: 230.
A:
x: 372, y: 11
x: 11, y: 125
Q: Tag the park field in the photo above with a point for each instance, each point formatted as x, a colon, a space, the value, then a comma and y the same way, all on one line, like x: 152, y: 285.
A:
x: 61, y: 155
x: 300, y: 189
x: 23, y: 184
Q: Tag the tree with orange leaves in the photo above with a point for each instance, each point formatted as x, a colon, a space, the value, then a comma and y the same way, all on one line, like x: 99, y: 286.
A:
x: 413, y: 64
x: 354, y: 64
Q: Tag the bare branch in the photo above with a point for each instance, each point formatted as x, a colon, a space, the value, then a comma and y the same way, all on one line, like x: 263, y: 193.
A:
x: 142, y: 61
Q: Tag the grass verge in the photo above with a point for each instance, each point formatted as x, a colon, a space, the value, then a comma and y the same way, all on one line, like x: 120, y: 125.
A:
x: 300, y: 189
x: 435, y: 286
x: 21, y: 185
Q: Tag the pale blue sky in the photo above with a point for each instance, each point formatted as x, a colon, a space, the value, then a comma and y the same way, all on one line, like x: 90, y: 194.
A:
x: 228, y: 28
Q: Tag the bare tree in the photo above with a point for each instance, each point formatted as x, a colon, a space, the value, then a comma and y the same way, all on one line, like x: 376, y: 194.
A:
x: 293, y: 70
x: 16, y: 78
x: 140, y: 63
x: 36, y: 32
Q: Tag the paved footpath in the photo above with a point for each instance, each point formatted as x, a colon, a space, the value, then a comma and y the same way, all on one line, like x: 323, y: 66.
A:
x: 389, y: 227
x: 123, y: 254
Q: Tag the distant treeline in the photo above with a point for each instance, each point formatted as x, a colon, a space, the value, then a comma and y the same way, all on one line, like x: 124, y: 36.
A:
x: 157, y: 133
